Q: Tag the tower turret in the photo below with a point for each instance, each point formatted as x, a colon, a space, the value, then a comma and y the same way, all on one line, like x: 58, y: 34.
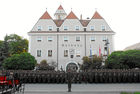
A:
x: 60, y: 13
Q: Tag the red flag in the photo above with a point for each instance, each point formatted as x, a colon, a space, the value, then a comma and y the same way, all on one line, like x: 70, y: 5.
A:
x: 99, y: 51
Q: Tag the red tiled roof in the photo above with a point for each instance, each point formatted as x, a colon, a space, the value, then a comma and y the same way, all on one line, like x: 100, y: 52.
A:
x: 60, y: 7
x: 46, y: 15
x: 58, y: 22
x: 84, y: 22
x: 97, y: 16
x: 71, y: 16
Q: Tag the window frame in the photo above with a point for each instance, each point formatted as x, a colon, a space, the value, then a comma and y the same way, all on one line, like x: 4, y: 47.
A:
x: 39, y: 39
x: 93, y: 39
x: 65, y: 28
x: 78, y: 53
x: 103, y: 29
x: 66, y: 51
x: 79, y: 38
x: 78, y: 28
x: 66, y: 38
x: 38, y: 53
x: 91, y: 28
x: 104, y: 38
x: 50, y: 29
x: 50, y: 39
x: 49, y: 53
x: 39, y: 28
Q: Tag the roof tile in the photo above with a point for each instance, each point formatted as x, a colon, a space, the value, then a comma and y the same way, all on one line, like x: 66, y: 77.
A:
x: 60, y: 7
x: 97, y: 16
x: 58, y: 22
x: 71, y: 16
x: 46, y: 15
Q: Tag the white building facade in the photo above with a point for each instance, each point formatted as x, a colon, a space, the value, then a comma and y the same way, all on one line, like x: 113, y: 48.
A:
x: 66, y: 39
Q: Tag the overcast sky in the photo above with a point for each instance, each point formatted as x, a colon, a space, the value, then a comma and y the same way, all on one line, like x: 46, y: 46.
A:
x: 123, y: 16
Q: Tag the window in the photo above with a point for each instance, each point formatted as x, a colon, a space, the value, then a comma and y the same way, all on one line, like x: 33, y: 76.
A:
x: 77, y: 27
x: 65, y: 53
x: 78, y: 53
x: 49, y: 38
x: 38, y: 53
x: 65, y: 38
x: 39, y: 28
x: 92, y: 38
x: 49, y: 53
x: 65, y: 27
x: 77, y: 38
x: 71, y: 56
x: 39, y: 39
x: 92, y: 28
x: 104, y: 38
x: 50, y: 28
x: 103, y: 28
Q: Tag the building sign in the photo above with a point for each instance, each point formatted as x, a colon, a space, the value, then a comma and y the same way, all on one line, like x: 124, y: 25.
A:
x: 71, y: 45
x: 72, y: 51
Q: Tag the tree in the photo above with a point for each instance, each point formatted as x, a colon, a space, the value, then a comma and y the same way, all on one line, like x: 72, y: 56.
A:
x: 113, y: 60
x: 23, y: 61
x: 4, y: 53
x: 16, y: 44
x: 91, y: 63
x: 124, y: 60
x: 44, y: 66
x: 1, y: 52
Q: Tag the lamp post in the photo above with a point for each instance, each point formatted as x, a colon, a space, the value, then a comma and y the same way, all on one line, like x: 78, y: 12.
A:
x: 106, y: 50
x: 107, y: 47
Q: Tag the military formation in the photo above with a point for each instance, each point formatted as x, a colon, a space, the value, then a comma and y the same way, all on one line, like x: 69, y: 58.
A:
x: 93, y: 76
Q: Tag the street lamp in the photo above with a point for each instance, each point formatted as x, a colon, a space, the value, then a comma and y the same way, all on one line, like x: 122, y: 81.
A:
x: 106, y: 48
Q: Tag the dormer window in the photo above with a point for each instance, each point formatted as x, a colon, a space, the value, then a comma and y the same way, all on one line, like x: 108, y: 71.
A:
x: 39, y: 28
x: 65, y: 27
x: 92, y: 28
x: 103, y: 28
x: 50, y: 28
x: 77, y: 27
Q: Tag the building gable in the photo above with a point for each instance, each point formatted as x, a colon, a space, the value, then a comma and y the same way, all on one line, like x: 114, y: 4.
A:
x: 97, y: 23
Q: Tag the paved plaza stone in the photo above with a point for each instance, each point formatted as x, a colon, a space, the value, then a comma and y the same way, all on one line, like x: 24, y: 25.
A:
x: 80, y: 88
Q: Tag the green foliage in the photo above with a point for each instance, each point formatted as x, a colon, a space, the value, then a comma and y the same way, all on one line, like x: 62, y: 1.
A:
x: 44, y: 66
x: 130, y: 93
x: 23, y: 61
x: 136, y: 92
x: 91, y: 63
x: 126, y: 93
x: 124, y: 60
x: 17, y: 44
x: 3, y: 51
x: 12, y: 44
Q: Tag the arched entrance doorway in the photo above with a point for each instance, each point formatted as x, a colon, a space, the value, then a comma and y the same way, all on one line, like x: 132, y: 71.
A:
x: 71, y: 67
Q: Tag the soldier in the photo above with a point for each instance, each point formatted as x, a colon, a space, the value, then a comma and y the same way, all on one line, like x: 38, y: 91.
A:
x: 69, y: 81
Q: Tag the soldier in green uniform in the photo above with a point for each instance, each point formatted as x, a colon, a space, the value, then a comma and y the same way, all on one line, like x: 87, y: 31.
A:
x: 69, y: 81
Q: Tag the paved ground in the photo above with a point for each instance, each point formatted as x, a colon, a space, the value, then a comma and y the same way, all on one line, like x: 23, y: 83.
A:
x: 80, y: 88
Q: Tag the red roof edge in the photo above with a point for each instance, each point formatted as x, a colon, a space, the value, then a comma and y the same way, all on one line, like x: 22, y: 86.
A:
x: 71, y: 16
x: 60, y: 7
x: 46, y: 15
x: 97, y: 16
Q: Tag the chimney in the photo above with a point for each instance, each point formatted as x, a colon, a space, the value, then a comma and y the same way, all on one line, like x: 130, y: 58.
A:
x: 81, y: 17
